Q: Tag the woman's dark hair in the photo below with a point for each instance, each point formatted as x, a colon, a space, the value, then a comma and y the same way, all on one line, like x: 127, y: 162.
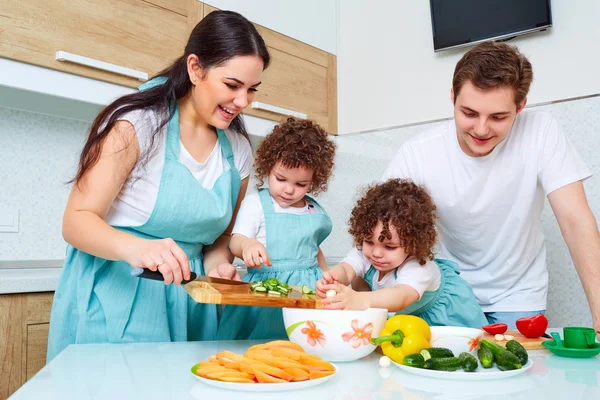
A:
x: 219, y: 37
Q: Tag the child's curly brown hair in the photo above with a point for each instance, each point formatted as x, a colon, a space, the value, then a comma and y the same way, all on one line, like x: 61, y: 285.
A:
x: 401, y: 205
x: 297, y: 143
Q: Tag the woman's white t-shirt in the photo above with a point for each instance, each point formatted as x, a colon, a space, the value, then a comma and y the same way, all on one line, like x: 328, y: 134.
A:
x: 250, y: 220
x: 135, y: 202
x: 422, y: 278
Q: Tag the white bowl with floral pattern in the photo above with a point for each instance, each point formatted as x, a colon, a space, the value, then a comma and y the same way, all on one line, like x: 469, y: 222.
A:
x: 456, y: 338
x: 335, y: 335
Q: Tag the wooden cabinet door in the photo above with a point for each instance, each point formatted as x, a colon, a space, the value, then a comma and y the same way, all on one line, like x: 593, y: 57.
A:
x: 301, y: 78
x: 141, y: 35
x: 36, y: 348
x: 24, y: 325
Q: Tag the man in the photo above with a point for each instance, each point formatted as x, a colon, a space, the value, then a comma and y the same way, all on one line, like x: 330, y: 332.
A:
x: 488, y: 171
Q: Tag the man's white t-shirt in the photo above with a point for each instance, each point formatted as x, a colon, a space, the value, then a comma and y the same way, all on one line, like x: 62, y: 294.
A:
x: 135, y: 202
x: 490, y: 207
x: 250, y: 221
x: 422, y: 278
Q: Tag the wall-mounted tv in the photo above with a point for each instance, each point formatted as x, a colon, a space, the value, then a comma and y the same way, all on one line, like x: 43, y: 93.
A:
x: 458, y: 23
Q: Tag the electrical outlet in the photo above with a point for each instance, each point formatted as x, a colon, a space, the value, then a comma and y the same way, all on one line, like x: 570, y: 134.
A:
x: 9, y: 219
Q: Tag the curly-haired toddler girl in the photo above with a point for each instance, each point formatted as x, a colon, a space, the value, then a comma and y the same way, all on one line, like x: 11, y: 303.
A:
x: 393, y: 226
x: 278, y: 230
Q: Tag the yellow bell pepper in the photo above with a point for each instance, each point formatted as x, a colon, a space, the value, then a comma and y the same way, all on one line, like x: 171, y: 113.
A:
x: 403, y: 335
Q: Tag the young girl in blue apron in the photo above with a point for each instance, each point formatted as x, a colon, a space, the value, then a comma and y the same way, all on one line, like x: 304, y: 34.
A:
x: 278, y: 230
x: 158, y: 182
x: 393, y: 225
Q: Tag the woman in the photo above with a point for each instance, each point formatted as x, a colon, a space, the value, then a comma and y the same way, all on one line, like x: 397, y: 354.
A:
x: 158, y: 186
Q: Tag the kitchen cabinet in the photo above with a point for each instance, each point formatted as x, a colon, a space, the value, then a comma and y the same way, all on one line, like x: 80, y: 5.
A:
x: 24, y: 324
x: 313, y: 22
x: 301, y: 78
x: 141, y: 36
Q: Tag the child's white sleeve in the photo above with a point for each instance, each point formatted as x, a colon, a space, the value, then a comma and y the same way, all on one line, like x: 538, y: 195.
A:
x: 422, y: 278
x: 358, y: 261
x: 249, y: 217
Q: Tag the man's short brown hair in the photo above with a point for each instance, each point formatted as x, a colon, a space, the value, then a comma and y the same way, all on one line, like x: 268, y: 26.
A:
x: 494, y: 65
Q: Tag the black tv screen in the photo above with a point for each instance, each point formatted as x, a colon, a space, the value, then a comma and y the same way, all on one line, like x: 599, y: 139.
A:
x: 458, y: 23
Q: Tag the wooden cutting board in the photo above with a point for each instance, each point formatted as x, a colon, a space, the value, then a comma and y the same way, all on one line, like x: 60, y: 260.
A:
x: 210, y: 290
x: 527, y: 343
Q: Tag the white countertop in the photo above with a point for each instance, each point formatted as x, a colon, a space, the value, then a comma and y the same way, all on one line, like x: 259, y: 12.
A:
x: 162, y: 371
x: 29, y: 276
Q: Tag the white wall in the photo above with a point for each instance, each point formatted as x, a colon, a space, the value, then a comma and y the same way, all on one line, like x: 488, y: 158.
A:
x: 389, y: 75
x: 310, y: 21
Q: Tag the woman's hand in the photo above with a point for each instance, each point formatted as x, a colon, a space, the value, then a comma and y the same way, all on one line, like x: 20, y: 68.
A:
x: 163, y: 255
x: 345, y: 298
x: 252, y: 253
x: 225, y: 271
x: 328, y: 279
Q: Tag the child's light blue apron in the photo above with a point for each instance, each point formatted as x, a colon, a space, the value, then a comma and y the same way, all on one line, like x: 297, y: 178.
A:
x: 98, y: 301
x: 452, y: 304
x: 293, y: 242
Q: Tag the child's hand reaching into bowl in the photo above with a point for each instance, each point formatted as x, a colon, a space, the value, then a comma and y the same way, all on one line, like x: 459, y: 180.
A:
x: 345, y: 298
x: 328, y: 279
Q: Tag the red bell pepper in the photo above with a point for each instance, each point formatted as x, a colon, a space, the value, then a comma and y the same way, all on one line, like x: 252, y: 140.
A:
x: 494, y: 329
x: 532, y: 327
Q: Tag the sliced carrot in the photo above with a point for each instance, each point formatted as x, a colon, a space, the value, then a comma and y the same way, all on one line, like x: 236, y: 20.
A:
x: 291, y: 353
x: 229, y: 374
x: 261, y: 377
x: 284, y: 344
x: 279, y: 362
x: 268, y: 369
x: 320, y: 374
x: 256, y: 347
x: 209, y: 364
x: 237, y: 380
x: 318, y: 364
x: 298, y: 374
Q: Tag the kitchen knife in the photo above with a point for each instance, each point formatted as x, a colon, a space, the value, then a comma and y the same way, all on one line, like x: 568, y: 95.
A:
x: 157, y: 276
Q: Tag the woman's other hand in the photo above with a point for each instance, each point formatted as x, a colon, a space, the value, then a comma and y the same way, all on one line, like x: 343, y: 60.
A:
x: 225, y: 271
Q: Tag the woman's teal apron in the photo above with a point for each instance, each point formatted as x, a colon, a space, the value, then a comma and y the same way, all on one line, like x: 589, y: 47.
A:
x: 98, y: 301
x: 452, y: 304
x: 293, y: 242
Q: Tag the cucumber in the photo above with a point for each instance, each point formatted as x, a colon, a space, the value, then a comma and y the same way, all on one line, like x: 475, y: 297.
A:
x: 485, y: 357
x: 469, y: 363
x: 505, y: 360
x: 443, y: 363
x: 272, y: 286
x: 414, y: 360
x: 436, y: 352
x: 307, y: 290
x: 518, y: 350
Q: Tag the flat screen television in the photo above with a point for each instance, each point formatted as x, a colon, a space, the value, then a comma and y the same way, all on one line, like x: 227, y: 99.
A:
x: 458, y: 23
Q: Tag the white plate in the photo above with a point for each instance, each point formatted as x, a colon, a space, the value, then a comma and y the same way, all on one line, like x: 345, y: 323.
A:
x: 478, y: 375
x: 265, y: 387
